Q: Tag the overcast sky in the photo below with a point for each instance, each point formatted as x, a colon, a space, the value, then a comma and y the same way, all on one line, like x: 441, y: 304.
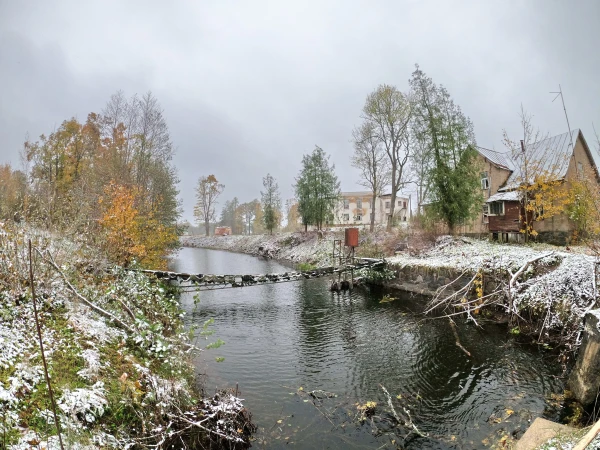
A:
x: 249, y: 87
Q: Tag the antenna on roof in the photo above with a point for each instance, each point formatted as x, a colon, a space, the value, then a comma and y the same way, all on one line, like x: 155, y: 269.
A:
x: 560, y: 94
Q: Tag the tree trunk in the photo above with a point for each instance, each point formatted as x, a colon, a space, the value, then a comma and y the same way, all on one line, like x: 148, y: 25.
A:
x: 372, y: 227
x: 207, y: 227
x: 392, y: 205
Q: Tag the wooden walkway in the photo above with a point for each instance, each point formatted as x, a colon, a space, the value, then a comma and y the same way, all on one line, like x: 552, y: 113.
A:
x: 200, y: 281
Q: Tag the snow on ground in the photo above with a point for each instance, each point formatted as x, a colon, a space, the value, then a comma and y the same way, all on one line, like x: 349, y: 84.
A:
x: 294, y: 247
x: 563, y: 293
x: 87, y: 355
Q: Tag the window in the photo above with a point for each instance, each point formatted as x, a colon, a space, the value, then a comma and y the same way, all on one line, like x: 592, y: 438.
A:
x: 359, y: 202
x: 404, y: 205
x: 346, y: 217
x: 359, y: 218
x: 496, y: 209
x: 539, y: 212
x: 486, y: 212
x: 580, y: 169
x: 485, y: 182
x: 346, y: 203
x: 399, y: 202
x: 387, y: 205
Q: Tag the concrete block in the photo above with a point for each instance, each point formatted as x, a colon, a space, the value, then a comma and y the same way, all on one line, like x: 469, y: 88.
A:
x: 539, y: 432
x: 584, y: 380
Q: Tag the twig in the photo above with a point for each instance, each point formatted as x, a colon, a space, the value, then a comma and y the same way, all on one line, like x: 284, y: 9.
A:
x: 39, y: 333
x: 96, y: 308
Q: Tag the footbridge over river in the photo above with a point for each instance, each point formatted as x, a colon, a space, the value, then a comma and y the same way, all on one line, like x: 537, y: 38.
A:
x: 201, y: 281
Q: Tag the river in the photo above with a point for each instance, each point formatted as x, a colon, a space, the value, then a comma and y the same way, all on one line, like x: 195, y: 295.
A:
x: 285, y: 340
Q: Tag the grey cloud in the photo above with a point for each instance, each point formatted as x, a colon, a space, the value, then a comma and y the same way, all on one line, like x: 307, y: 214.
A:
x: 249, y: 87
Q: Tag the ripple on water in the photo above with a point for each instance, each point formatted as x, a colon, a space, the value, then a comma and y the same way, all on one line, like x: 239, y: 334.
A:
x: 281, y: 337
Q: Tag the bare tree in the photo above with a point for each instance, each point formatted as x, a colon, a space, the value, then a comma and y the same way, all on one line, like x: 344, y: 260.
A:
x: 248, y: 212
x: 373, y: 163
x: 421, y: 165
x: 388, y: 112
x: 207, y: 192
x: 538, y: 174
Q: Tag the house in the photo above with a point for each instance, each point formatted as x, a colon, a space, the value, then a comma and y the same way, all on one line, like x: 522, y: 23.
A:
x: 565, y: 157
x: 495, y: 169
x: 222, y: 231
x: 355, y: 208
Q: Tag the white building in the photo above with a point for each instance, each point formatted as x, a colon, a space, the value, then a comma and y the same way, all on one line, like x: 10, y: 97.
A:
x: 354, y: 208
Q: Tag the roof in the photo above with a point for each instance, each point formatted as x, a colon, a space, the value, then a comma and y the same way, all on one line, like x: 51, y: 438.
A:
x: 357, y: 194
x: 499, y: 159
x: 398, y: 195
x: 551, y: 156
x: 510, y: 196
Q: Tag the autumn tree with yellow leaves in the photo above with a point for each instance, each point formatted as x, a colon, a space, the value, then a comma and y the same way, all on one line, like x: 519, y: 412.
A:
x: 130, y: 236
x: 120, y: 158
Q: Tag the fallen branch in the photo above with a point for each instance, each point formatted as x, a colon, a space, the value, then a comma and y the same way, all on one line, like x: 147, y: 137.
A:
x: 96, y: 308
x: 517, y: 274
x: 458, y: 344
x: 408, y: 422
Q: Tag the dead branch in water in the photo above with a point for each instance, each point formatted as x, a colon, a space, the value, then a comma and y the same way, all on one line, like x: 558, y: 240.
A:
x: 406, y: 422
x: 458, y: 344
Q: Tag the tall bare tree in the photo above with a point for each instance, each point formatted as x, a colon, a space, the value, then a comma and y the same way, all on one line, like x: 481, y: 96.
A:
x: 373, y: 163
x: 539, y: 172
x: 388, y: 111
x: 248, y: 213
x: 421, y: 166
x: 207, y: 192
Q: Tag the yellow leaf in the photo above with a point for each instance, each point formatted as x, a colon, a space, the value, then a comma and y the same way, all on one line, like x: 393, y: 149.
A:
x: 279, y: 421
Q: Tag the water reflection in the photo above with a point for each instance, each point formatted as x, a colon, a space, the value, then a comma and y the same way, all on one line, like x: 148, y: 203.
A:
x: 286, y: 336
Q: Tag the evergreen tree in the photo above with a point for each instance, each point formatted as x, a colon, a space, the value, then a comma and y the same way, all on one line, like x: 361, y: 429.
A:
x: 454, y: 175
x: 317, y: 189
x: 271, y: 203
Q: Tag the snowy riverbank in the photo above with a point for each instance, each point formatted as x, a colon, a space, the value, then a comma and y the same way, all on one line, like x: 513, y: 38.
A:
x: 556, y: 289
x: 311, y: 248
x: 119, y: 358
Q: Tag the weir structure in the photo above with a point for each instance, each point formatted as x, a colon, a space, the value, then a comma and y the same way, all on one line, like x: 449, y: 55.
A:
x: 200, y: 281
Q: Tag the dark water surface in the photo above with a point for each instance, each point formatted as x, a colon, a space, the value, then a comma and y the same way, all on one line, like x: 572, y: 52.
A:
x: 283, y: 337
